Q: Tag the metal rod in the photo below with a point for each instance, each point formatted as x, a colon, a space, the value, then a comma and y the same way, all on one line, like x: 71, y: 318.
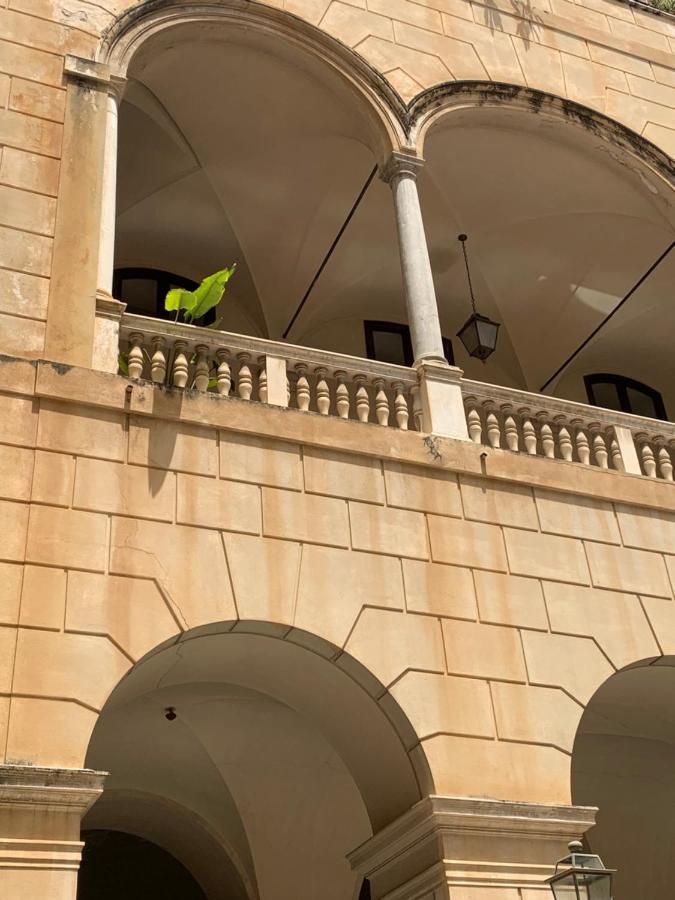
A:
x: 608, y: 316
x: 330, y: 252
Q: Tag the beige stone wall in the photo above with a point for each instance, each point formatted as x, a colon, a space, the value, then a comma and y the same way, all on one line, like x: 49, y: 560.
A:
x: 603, y: 53
x: 491, y: 610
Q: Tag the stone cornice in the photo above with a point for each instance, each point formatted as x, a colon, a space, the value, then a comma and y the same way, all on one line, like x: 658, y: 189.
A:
x: 64, y: 790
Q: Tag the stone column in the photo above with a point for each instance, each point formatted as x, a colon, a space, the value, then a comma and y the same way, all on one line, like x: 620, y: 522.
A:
x: 470, y: 849
x: 418, y: 284
x: 40, y: 814
x: 106, y: 255
x: 74, y: 277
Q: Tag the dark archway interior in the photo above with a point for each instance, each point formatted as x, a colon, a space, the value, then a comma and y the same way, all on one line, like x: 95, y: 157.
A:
x: 121, y: 866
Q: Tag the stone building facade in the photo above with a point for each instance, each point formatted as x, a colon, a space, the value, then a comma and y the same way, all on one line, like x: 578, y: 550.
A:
x: 334, y: 627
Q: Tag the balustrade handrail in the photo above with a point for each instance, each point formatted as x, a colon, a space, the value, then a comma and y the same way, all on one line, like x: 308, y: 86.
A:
x: 256, y: 346
x: 571, y: 409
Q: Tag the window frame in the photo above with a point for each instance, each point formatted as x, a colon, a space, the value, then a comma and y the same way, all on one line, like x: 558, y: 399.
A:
x: 163, y: 281
x: 622, y: 383
x: 372, y: 325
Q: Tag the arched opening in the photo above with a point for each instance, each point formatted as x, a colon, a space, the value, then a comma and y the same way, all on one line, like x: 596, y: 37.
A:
x: 256, y: 762
x: 116, y: 864
x: 624, y: 763
x: 241, y: 142
x: 564, y: 216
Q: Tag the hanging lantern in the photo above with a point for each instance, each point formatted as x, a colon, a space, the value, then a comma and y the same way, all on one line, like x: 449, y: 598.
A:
x: 479, y: 333
x: 581, y: 876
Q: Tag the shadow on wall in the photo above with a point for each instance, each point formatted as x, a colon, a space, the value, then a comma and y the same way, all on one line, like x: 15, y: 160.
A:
x: 624, y: 763
x: 528, y: 19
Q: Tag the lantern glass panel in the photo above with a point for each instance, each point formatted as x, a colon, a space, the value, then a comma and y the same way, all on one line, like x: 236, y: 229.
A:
x: 595, y: 886
x: 565, y: 887
x: 487, y: 333
x: 469, y: 336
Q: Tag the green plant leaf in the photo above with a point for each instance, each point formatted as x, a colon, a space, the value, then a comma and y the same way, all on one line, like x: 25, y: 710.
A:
x: 178, y: 298
x: 123, y: 363
x: 209, y: 293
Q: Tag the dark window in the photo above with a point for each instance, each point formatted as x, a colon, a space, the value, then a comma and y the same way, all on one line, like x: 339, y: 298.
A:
x: 364, y: 893
x: 144, y: 290
x: 390, y: 342
x: 624, y: 395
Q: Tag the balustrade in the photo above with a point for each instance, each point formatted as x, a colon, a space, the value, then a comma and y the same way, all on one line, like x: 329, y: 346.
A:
x: 329, y: 384
x: 500, y: 418
x: 346, y: 387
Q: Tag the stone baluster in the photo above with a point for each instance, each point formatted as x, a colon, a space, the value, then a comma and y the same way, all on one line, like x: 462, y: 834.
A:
x: 615, y: 454
x: 341, y: 394
x: 529, y: 431
x: 581, y: 441
x: 202, y: 367
x: 381, y: 402
x: 492, y: 424
x: 244, y: 377
x: 646, y: 454
x: 179, y: 373
x: 599, y: 446
x: 158, y: 361
x: 362, y: 399
x: 665, y: 462
x: 564, y: 440
x: 223, y: 376
x: 135, y: 357
x: 546, y: 432
x: 262, y: 380
x: 401, y: 413
x: 510, y: 427
x: 302, y: 392
x: 322, y: 390
x: 418, y: 412
x: 473, y: 420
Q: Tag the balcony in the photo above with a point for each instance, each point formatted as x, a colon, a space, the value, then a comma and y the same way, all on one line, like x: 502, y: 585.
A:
x: 315, y: 382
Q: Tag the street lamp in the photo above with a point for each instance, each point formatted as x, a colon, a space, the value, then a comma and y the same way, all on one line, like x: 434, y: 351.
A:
x: 478, y: 334
x: 581, y: 876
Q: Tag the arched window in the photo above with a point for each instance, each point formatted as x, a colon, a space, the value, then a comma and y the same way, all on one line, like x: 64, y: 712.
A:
x: 143, y: 290
x: 624, y: 394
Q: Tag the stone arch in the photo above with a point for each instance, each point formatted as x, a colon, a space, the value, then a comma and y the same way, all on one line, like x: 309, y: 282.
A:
x: 622, y: 763
x: 430, y: 106
x: 253, y: 698
x: 371, y: 91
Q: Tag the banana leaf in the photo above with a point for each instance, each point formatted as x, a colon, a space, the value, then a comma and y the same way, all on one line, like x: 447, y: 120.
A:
x: 209, y: 293
x: 178, y: 298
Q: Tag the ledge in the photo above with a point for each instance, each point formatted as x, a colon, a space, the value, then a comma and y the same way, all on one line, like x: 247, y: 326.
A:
x: 72, y: 384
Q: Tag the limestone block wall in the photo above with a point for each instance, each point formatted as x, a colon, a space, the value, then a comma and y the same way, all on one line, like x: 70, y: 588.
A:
x: 490, y: 610
x: 611, y: 56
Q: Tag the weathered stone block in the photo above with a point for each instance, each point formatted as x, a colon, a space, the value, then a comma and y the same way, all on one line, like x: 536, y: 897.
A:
x: 621, y: 569
x: 467, y: 543
x: 395, y: 531
x: 510, y: 600
x: 168, y: 445
x: 439, y: 589
x: 43, y: 598
x: 83, y: 430
x: 112, y: 487
x: 545, y: 556
x: 305, y: 517
x: 67, y: 537
x: 483, y: 651
x: 442, y: 703
x: 343, y: 475
x: 261, y: 460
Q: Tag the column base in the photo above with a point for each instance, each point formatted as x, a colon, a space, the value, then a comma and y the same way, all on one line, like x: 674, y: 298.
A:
x: 470, y: 849
x: 40, y: 814
x: 441, y: 398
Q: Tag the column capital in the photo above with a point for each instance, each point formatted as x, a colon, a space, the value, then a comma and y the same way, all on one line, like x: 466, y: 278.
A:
x: 62, y: 790
x: 450, y: 842
x: 399, y: 165
x: 80, y: 69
